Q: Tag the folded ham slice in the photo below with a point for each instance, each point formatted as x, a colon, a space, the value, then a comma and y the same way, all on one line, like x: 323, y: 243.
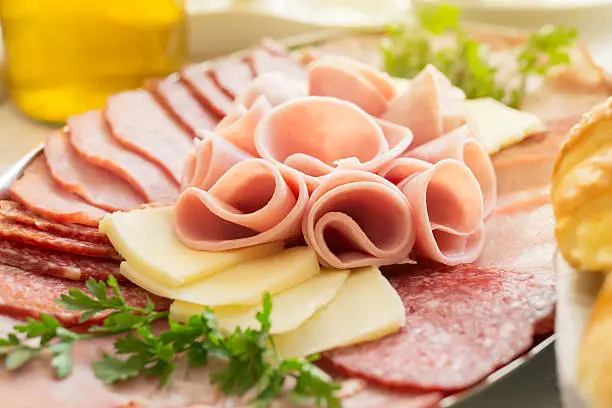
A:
x: 447, y: 207
x: 460, y: 145
x: 276, y: 87
x: 92, y: 140
x: 430, y: 106
x: 206, y: 91
x: 252, y: 203
x: 92, y: 183
x: 210, y: 159
x: 355, y: 218
x: 352, y: 81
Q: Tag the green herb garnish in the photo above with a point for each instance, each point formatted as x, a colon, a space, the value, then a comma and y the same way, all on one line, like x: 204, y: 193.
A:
x: 407, y: 50
x: 253, y: 363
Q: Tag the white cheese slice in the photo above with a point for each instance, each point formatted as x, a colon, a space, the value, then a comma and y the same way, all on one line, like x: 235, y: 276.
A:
x: 290, y: 308
x: 499, y: 126
x: 145, y: 238
x: 243, y: 284
x: 365, y: 308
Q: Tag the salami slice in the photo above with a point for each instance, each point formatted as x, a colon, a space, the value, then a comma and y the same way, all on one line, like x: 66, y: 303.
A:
x: 25, y: 294
x: 54, y: 263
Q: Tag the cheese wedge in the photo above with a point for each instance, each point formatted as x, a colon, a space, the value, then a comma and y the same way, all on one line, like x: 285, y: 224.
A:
x: 290, y: 308
x: 499, y: 126
x: 365, y: 308
x: 145, y: 238
x: 243, y: 284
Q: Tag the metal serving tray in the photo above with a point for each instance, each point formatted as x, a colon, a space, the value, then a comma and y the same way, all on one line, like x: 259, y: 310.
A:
x: 524, y: 365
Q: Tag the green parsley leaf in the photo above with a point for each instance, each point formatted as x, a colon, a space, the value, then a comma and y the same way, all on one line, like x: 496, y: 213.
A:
x: 18, y: 357
x: 62, y: 359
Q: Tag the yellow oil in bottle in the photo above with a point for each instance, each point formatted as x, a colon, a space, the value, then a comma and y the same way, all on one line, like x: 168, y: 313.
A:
x: 65, y: 57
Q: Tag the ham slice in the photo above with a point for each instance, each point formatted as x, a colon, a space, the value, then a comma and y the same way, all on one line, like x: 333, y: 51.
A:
x: 142, y: 125
x: 460, y: 145
x: 276, y: 87
x: 447, y: 207
x: 352, y: 81
x: 93, y: 141
x: 430, y: 106
x: 273, y: 59
x: 232, y: 76
x: 253, y: 203
x: 210, y: 159
x: 94, y: 184
x: 206, y: 91
x: 38, y: 192
x: 355, y: 218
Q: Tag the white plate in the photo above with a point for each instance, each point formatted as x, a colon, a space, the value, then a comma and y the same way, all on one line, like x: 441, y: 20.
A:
x: 524, y: 5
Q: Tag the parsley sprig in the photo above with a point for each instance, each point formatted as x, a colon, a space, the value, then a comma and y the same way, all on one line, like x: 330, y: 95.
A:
x: 252, y: 361
x: 407, y: 50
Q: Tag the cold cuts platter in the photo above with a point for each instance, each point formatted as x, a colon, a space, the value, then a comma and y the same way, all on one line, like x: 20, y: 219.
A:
x: 467, y: 294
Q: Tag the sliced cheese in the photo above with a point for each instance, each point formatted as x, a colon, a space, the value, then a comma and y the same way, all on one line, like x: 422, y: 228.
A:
x: 365, y: 308
x: 243, y: 284
x: 145, y: 238
x: 290, y: 308
x: 499, y: 126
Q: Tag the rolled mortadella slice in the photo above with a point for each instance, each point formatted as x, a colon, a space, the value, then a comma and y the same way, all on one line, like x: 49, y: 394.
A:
x: 430, y: 107
x: 276, y: 87
x: 355, y: 218
x: 352, y: 81
x: 210, y: 158
x: 254, y: 202
x: 460, y: 145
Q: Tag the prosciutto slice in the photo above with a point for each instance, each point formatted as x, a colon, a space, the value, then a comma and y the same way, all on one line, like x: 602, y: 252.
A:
x: 352, y: 81
x: 355, y: 218
x: 206, y: 91
x: 460, y: 145
x: 92, y: 140
x: 252, y: 203
x: 447, y: 208
x: 94, y: 184
x: 430, y: 106
x: 210, y: 159
x: 276, y: 87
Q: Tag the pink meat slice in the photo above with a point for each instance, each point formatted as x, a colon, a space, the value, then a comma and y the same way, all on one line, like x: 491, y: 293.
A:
x: 266, y: 59
x: 352, y: 81
x: 93, y: 184
x: 460, y: 145
x: 355, y: 218
x: 232, y: 75
x: 276, y: 87
x: 206, y: 91
x: 37, y: 191
x: 92, y: 140
x: 210, y: 159
x: 447, y: 208
x: 182, y: 105
x: 142, y: 125
x: 430, y: 106
x: 254, y: 202
x: 239, y: 126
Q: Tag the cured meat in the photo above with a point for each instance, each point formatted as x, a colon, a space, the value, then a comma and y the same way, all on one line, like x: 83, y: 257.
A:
x: 16, y: 232
x: 355, y: 218
x: 460, y: 145
x: 254, y: 202
x: 92, y: 140
x: 430, y: 107
x: 239, y: 126
x: 271, y: 59
x: 17, y: 213
x: 209, y: 160
x: 206, y: 91
x: 276, y: 87
x: 39, y: 193
x: 352, y: 81
x: 147, y: 130
x: 25, y: 294
x: 232, y: 75
x: 182, y: 105
x: 447, y: 207
x: 54, y: 263
x: 94, y: 184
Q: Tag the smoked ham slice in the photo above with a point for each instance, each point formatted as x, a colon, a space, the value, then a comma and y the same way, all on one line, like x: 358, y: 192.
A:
x: 355, y: 218
x: 92, y: 140
x: 254, y: 202
x: 273, y: 59
x: 37, y: 191
x: 92, y: 183
x: 430, y: 106
x: 460, y: 145
x: 352, y: 81
x: 142, y: 125
x: 232, y: 75
x: 210, y: 159
x: 206, y: 91
x: 276, y: 87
